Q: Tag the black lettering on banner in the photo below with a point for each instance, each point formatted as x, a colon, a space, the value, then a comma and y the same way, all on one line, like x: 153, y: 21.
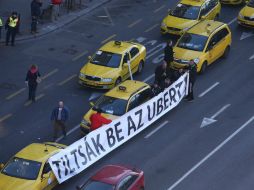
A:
x: 150, y: 117
x: 139, y: 113
x: 81, y: 154
x: 178, y: 86
x: 159, y: 106
x: 172, y: 93
x: 110, y: 137
x: 56, y: 163
x: 65, y: 168
x: 68, y: 164
x: 74, y: 153
x: 131, y: 125
x: 89, y: 151
x: 118, y: 131
x: 97, y: 145
x: 165, y: 100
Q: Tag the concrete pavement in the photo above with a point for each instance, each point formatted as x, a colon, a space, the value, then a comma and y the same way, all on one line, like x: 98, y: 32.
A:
x: 46, y: 26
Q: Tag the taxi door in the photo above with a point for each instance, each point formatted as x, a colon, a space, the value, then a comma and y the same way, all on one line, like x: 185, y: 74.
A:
x: 135, y: 59
x: 125, y: 69
x: 48, y: 179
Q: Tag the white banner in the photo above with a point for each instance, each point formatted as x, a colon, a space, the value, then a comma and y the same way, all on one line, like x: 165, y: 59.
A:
x: 86, y: 151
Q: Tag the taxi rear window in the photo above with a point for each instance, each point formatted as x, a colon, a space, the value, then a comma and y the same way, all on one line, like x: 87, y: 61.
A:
x: 185, y: 11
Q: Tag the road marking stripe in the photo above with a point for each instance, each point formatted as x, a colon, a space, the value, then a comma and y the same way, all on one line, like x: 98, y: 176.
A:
x: 160, y: 8
x: 251, y: 57
x: 67, y: 80
x: 36, y: 98
x: 232, y: 21
x: 211, y: 153
x: 68, y: 133
x: 209, y: 89
x: 15, y: 94
x: 134, y: 23
x: 49, y: 74
x: 5, y: 117
x: 148, y: 78
x: 109, y: 38
x: 155, y: 130
x: 151, y: 28
x: 79, y: 56
x: 220, y: 111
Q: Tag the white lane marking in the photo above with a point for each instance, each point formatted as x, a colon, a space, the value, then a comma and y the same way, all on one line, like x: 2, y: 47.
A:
x: 155, y: 130
x: 246, y: 35
x: 49, y: 74
x: 155, y: 51
x: 232, y: 21
x: 211, y: 154
x: 95, y: 95
x: 209, y: 89
x: 109, y: 16
x: 68, y: 133
x: 207, y: 121
x: 149, y: 78
x: 251, y: 57
x: 140, y: 39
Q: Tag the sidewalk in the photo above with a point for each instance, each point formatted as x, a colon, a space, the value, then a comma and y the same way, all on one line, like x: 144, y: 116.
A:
x: 47, y: 26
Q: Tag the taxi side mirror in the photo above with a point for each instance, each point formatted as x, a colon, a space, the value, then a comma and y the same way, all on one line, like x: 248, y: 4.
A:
x: 125, y: 64
x: 202, y: 17
x: 1, y: 166
x: 89, y: 57
x: 91, y: 104
x: 45, y: 176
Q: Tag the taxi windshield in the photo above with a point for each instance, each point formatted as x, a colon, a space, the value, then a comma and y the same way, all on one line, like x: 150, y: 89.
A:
x: 21, y: 168
x: 185, y: 11
x: 111, y: 105
x: 251, y: 4
x: 95, y: 185
x: 192, y: 42
x: 106, y: 59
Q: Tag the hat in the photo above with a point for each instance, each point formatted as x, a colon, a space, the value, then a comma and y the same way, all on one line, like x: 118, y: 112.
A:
x: 33, y: 69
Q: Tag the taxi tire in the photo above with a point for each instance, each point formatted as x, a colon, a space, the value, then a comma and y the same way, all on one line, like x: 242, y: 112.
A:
x: 203, y: 68
x: 226, y: 52
x: 118, y: 81
x: 140, y: 67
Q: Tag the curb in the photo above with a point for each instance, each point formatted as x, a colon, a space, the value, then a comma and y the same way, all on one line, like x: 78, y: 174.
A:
x: 55, y: 26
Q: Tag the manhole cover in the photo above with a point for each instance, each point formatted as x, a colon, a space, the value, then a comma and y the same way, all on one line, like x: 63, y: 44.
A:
x: 51, y: 49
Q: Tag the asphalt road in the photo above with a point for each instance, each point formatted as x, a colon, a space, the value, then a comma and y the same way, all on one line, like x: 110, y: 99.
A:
x: 180, y: 155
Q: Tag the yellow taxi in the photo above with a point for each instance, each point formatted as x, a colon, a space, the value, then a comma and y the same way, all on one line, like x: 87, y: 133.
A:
x: 112, y: 63
x: 233, y: 2
x: 187, y: 13
x: 29, y: 169
x: 205, y: 42
x: 118, y: 101
x: 246, y: 15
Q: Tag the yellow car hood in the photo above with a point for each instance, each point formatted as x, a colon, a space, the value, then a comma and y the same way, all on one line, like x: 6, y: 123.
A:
x: 180, y: 23
x: 12, y: 183
x: 247, y: 11
x: 91, y: 111
x: 181, y: 53
x: 99, y: 71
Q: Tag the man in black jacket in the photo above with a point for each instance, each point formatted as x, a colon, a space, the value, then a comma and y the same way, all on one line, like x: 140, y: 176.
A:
x: 192, y: 67
x: 168, y: 53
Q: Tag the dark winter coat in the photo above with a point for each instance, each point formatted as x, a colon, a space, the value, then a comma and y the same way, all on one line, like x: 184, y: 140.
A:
x: 31, y: 78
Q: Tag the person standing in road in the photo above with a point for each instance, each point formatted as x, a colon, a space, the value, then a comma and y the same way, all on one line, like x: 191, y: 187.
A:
x: 59, y: 117
x: 168, y: 53
x: 32, y: 80
x: 1, y: 26
x: 192, y: 67
x: 161, y: 74
x: 56, y: 8
x: 35, y: 14
x: 97, y: 120
x: 11, y: 27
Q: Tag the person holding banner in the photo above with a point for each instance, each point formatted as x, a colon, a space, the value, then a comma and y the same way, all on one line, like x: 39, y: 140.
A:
x: 97, y: 120
x: 192, y: 67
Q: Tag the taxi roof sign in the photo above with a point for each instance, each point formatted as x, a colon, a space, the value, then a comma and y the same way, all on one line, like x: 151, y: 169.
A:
x: 122, y: 88
x: 118, y: 43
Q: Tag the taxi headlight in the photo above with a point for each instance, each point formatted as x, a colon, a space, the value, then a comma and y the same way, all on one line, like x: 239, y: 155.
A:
x: 82, y: 75
x: 106, y: 79
x: 163, y: 25
x: 240, y: 16
x: 84, y: 122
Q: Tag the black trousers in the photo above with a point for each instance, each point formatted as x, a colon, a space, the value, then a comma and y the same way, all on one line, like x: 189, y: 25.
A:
x: 59, y: 125
x: 32, y: 92
x: 34, y: 26
x: 11, y: 33
x: 190, y: 93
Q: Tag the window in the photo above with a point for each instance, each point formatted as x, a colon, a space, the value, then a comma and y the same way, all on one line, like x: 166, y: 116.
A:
x: 213, y: 3
x: 143, y: 96
x: 192, y: 42
x: 134, y: 51
x: 222, y: 34
x: 106, y: 59
x: 185, y: 11
x: 46, y: 168
x: 213, y: 41
x: 127, y: 182
x: 132, y: 103
x: 126, y: 58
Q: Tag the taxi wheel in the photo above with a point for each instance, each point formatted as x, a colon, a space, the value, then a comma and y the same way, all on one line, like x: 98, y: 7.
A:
x: 140, y: 67
x: 118, y: 81
x: 203, y: 68
x: 226, y: 52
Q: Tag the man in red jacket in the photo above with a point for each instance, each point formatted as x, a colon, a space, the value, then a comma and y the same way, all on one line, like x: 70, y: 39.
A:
x: 97, y: 120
